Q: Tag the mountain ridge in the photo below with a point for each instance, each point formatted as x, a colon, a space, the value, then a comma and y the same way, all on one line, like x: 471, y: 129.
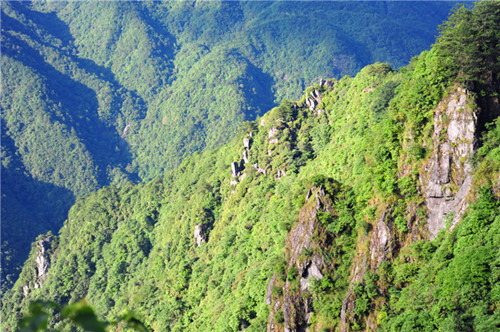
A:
x: 216, y: 243
x: 121, y: 91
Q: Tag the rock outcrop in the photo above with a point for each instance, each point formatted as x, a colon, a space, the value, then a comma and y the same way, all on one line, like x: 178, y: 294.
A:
x: 382, y: 244
x: 279, y: 174
x: 272, y: 135
x: 200, y: 234
x: 447, y: 179
x: 314, y: 100
x: 42, y: 261
x: 305, y: 264
x: 237, y: 167
x: 326, y: 83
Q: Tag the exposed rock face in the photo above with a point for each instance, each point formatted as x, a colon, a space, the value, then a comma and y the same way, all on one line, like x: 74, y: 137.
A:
x: 447, y: 178
x: 305, y: 258
x: 272, y: 135
x: 259, y: 169
x: 246, y: 143
x: 126, y: 130
x: 382, y: 246
x: 327, y: 83
x: 269, y: 290
x: 42, y: 261
x: 445, y: 181
x: 358, y: 271
x: 279, y: 174
x: 200, y: 234
x: 311, y: 103
x: 314, y: 100
x: 381, y: 241
x: 496, y: 189
x: 239, y: 166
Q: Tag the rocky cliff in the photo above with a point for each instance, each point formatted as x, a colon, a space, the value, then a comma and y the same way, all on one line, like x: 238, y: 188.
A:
x: 446, y: 178
x: 292, y: 304
x: 43, y: 255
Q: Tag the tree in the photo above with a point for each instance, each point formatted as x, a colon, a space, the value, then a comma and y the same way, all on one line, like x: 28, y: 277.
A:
x: 469, y: 42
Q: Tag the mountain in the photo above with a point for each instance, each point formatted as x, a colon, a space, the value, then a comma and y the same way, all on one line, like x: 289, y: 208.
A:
x: 372, y: 202
x: 99, y: 93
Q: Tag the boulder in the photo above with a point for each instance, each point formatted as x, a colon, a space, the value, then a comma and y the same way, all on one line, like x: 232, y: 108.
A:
x: 246, y: 143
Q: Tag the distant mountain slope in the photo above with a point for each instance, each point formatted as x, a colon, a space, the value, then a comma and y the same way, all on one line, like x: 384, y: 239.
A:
x: 371, y: 203
x: 95, y: 93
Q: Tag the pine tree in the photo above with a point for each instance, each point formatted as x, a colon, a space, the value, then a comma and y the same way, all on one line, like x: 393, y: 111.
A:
x: 469, y: 42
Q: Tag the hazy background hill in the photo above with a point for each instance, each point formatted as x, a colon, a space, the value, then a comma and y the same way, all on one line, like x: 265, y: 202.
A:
x: 95, y: 93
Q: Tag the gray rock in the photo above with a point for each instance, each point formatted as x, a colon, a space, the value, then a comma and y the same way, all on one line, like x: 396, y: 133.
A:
x: 454, y: 139
x: 329, y: 83
x: 297, y: 307
x: 269, y: 289
x: 316, y: 94
x: 200, y: 234
x: 259, y: 169
x: 380, y: 240
x: 496, y: 189
x: 246, y: 143
x: 272, y: 135
x: 42, y: 258
x: 126, y: 131
x: 42, y: 261
x: 279, y: 174
x: 311, y: 103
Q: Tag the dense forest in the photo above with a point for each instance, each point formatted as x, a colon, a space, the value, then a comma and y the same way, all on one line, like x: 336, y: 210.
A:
x: 100, y: 93
x: 371, y: 202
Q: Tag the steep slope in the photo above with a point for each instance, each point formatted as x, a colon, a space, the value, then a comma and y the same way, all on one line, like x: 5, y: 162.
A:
x: 95, y: 93
x: 318, y: 215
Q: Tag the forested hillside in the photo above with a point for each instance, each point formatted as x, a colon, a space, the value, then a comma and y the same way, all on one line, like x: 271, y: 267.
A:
x: 98, y: 93
x: 372, y: 202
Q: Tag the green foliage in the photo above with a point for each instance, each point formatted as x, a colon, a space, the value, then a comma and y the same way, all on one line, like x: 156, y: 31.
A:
x: 468, y: 42
x: 101, y: 93
x: 78, y: 314
x: 38, y: 317
x: 453, y: 285
x: 133, y: 246
x: 279, y: 317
